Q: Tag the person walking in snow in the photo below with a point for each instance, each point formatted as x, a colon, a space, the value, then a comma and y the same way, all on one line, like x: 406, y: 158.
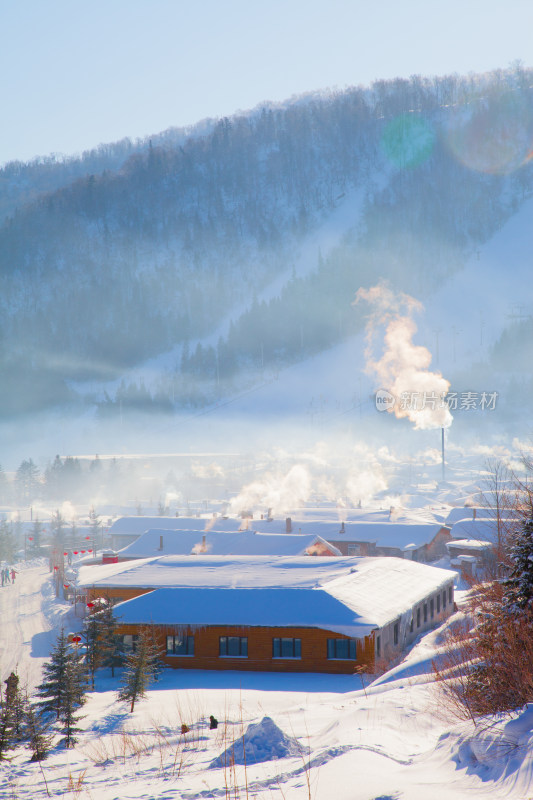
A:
x: 13, y: 573
x: 6, y: 573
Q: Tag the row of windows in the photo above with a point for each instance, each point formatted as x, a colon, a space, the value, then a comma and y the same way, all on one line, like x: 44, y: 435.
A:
x: 442, y: 598
x: 237, y: 647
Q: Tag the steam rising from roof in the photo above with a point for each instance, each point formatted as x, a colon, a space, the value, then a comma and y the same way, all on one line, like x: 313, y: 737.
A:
x: 403, y: 367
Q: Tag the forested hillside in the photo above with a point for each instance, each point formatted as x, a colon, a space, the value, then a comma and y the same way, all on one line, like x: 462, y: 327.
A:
x: 121, y: 255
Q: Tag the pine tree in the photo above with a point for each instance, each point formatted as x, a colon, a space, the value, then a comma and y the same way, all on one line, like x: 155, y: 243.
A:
x: 38, y: 735
x: 92, y: 636
x: 111, y: 642
x: 519, y: 584
x: 73, y: 698
x: 57, y: 528
x: 7, y: 541
x: 141, y: 669
x: 36, y: 531
x: 63, y: 690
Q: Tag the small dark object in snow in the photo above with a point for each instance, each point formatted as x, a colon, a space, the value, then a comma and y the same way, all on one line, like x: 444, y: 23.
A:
x: 213, y: 723
x: 185, y: 728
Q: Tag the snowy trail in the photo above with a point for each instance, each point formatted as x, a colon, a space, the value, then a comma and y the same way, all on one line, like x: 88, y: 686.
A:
x: 26, y: 635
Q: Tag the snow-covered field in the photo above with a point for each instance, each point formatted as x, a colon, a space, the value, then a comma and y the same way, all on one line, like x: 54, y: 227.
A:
x: 356, y: 739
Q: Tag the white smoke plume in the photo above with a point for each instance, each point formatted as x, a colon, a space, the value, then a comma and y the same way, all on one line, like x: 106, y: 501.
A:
x: 280, y: 493
x: 200, y: 549
x: 402, y: 369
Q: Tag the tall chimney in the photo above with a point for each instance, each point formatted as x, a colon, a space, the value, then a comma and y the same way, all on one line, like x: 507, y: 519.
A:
x: 160, y: 542
x: 342, y: 528
x: 443, y: 462
x: 288, y: 525
x: 204, y: 548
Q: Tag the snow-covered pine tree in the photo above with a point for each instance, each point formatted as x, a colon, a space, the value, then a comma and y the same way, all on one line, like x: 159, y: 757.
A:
x: 519, y: 585
x: 51, y: 689
x: 64, y: 686
x: 142, y: 668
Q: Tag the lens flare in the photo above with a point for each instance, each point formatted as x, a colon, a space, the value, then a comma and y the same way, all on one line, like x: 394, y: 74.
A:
x: 408, y: 140
x: 495, y: 135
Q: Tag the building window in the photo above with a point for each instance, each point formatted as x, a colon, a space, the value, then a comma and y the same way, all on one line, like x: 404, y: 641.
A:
x: 180, y: 645
x: 286, y: 648
x: 378, y: 646
x: 444, y: 599
x: 354, y: 549
x: 432, y: 608
x: 449, y: 594
x: 396, y: 632
x: 412, y: 625
x: 342, y: 648
x: 438, y: 604
x: 425, y: 612
x: 129, y: 642
x: 418, y: 617
x: 233, y: 646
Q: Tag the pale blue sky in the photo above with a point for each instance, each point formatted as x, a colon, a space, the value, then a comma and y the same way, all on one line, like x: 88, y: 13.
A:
x: 75, y: 74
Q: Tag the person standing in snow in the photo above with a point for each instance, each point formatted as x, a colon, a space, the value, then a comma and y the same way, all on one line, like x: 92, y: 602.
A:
x: 13, y: 573
x: 6, y: 572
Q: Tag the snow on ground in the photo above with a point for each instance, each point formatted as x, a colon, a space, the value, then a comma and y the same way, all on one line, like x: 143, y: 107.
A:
x: 356, y: 739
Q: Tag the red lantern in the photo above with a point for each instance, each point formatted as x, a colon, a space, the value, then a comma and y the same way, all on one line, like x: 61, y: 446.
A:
x: 65, y: 586
x: 75, y: 552
x: 87, y: 537
x: 90, y: 550
x: 83, y: 551
x: 65, y: 554
x: 76, y: 639
x: 55, y: 567
x: 30, y: 538
x: 90, y: 605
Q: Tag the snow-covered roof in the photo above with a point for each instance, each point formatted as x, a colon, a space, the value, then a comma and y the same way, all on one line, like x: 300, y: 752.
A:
x: 310, y: 523
x: 377, y: 590
x: 284, y: 608
x: 470, y: 512
x: 219, y: 543
x: 387, y: 534
x: 484, y: 529
x: 469, y: 544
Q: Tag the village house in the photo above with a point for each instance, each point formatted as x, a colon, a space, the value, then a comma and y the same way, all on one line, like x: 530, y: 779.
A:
x: 321, y: 614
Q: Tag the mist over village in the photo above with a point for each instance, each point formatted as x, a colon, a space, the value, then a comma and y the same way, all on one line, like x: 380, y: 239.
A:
x: 266, y: 517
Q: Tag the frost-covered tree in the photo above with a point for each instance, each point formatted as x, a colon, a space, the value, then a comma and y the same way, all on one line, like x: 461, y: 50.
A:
x: 519, y: 584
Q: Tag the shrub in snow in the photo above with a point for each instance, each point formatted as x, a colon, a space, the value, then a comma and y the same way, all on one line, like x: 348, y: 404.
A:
x: 263, y: 741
